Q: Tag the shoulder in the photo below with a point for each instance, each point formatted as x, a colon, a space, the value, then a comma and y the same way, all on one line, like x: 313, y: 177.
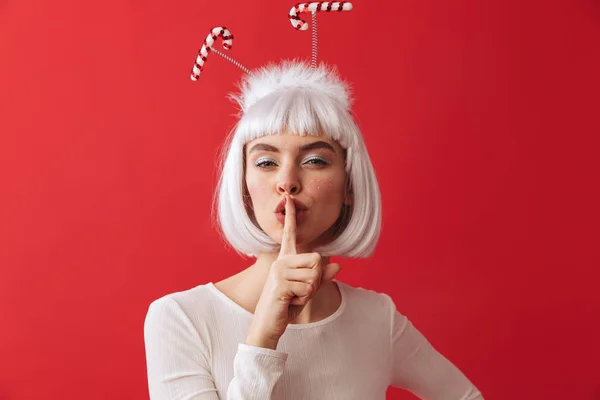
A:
x: 174, y: 328
x: 368, y: 300
x: 184, y: 308
x: 183, y: 298
x: 359, y: 293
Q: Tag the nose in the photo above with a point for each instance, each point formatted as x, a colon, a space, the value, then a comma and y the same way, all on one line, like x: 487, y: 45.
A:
x: 288, y: 181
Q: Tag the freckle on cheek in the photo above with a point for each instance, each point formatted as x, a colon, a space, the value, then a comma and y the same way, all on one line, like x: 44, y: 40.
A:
x: 327, y: 182
x: 322, y: 184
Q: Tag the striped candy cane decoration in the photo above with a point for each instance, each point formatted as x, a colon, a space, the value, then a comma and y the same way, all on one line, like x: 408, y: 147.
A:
x: 207, y: 47
x: 302, y: 25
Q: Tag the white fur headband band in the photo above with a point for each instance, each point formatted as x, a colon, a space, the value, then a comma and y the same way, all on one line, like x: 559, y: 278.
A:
x: 292, y: 74
x: 295, y: 19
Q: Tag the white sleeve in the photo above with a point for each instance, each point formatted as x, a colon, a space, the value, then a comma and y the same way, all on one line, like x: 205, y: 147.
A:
x: 256, y: 370
x: 178, y: 366
x: 419, y: 368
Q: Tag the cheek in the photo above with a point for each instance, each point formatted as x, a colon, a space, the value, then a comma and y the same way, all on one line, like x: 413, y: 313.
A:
x: 258, y: 189
x: 327, y: 188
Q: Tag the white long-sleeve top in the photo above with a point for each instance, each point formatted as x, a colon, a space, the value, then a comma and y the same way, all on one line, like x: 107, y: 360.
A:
x: 195, y: 350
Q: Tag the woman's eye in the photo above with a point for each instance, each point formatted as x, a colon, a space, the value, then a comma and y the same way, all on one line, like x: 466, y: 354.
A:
x: 265, y: 164
x: 270, y: 163
x: 316, y: 161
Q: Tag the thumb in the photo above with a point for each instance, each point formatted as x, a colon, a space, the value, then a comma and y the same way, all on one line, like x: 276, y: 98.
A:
x: 329, y: 272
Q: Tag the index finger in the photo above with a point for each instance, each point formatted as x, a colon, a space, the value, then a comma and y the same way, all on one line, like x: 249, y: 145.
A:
x: 288, y: 240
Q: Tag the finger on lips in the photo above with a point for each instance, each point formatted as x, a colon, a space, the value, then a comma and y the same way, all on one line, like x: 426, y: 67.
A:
x: 288, y: 241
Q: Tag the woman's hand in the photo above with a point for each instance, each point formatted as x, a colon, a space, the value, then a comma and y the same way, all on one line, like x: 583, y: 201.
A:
x: 292, y: 281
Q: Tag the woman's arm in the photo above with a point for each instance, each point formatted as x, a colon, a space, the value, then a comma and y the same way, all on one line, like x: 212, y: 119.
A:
x: 419, y: 368
x: 178, y: 366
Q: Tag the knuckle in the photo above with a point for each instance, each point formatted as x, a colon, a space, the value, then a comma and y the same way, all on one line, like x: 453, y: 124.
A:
x: 284, y: 260
x: 276, y: 272
x: 300, y: 300
x: 279, y: 285
x: 309, y: 290
x: 279, y: 265
x: 279, y: 281
x: 314, y: 275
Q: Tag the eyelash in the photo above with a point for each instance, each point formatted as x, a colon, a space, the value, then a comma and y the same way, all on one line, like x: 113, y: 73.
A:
x: 261, y: 164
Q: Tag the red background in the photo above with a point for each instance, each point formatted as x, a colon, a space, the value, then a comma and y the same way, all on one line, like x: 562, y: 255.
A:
x: 481, y: 119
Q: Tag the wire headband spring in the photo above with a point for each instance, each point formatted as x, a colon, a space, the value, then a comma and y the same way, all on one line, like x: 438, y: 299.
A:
x: 297, y: 22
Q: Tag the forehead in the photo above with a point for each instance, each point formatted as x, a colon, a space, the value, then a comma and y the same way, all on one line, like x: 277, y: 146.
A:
x: 291, y: 142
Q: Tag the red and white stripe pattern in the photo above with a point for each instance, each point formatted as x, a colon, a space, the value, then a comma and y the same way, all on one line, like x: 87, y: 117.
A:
x: 302, y: 25
x: 207, y: 47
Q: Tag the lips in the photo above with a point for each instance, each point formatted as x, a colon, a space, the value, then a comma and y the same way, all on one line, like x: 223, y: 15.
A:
x: 297, y: 204
x: 300, y: 217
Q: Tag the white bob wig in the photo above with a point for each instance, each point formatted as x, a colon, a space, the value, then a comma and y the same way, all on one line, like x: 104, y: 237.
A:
x: 295, y: 98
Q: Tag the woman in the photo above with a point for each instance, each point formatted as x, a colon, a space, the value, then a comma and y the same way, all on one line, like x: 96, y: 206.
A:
x: 297, y: 187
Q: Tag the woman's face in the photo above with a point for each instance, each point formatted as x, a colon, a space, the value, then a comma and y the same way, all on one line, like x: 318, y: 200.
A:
x: 310, y: 169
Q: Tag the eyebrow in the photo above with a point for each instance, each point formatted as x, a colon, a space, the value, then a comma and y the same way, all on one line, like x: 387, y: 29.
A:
x: 306, y: 147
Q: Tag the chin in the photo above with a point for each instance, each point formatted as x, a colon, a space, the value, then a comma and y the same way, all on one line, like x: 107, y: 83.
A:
x: 307, y: 233
x: 302, y: 238
x: 310, y: 238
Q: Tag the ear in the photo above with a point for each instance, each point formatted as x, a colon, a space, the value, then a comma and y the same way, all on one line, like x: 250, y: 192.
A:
x: 348, y: 193
x: 349, y: 199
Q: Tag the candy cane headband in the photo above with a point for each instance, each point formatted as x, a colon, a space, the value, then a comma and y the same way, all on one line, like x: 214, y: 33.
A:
x: 295, y: 19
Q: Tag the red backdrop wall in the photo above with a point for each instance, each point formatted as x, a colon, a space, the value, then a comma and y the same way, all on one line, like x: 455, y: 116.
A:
x: 481, y: 119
